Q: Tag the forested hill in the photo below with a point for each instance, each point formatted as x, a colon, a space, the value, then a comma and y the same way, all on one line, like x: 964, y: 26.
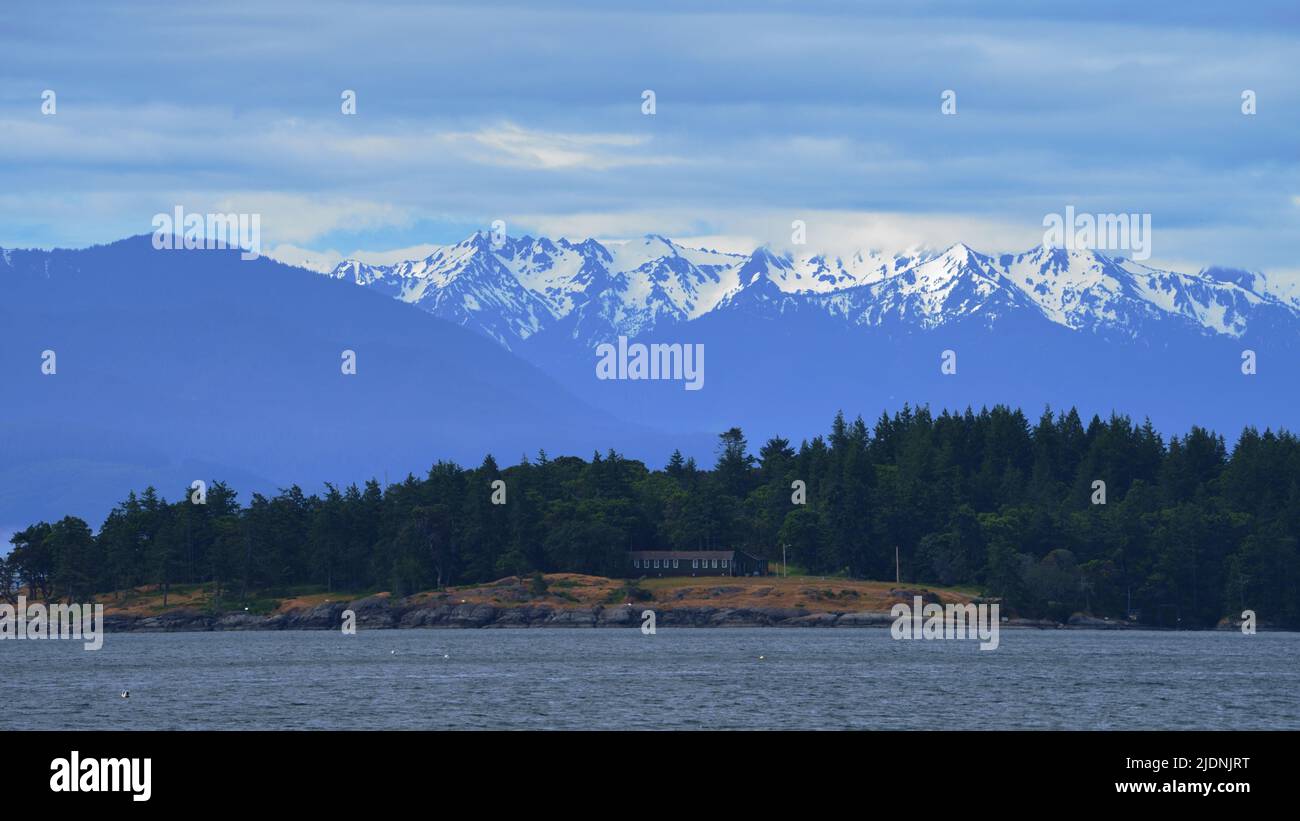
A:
x: 1189, y: 531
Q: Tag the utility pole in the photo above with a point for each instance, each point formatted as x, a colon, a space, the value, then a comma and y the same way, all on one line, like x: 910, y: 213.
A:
x: 898, y: 573
x: 785, y: 568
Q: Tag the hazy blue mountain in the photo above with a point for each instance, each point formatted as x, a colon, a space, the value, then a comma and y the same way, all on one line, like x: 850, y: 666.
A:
x: 791, y: 339
x: 176, y: 365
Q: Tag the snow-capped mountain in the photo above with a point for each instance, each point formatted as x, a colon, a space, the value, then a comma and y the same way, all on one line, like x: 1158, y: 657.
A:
x: 513, y: 289
x: 959, y: 283
x: 170, y: 362
x: 592, y: 292
x: 467, y: 283
x: 1085, y: 290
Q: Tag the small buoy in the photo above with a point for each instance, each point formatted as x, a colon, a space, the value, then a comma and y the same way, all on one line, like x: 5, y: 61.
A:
x: 126, y: 694
x: 444, y: 655
x: 760, y: 658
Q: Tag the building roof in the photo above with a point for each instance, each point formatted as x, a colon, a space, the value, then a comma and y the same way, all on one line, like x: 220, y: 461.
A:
x: 681, y: 554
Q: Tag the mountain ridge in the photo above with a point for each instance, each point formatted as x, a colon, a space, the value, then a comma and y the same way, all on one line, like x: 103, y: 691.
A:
x: 173, y: 365
x: 176, y: 364
x: 514, y: 289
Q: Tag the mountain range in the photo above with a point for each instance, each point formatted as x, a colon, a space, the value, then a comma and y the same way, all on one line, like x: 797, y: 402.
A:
x: 518, y: 289
x: 174, y: 365
x: 791, y: 339
x: 177, y: 365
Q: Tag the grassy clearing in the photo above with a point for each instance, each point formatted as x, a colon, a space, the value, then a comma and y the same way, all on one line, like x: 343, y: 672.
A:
x: 815, y: 594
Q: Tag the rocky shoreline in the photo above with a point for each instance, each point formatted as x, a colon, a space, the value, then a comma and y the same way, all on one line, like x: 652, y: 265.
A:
x: 383, y: 613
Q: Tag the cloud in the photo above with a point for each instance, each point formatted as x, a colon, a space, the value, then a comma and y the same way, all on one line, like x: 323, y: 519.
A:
x: 291, y: 218
x: 835, y: 232
x: 828, y: 113
x: 328, y: 260
x: 511, y: 145
x: 323, y: 261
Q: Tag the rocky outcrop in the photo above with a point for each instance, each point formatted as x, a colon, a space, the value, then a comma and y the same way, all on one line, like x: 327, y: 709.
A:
x: 321, y: 617
x: 383, y: 613
x: 442, y: 611
x: 907, y: 596
x: 864, y: 620
x: 181, y: 619
x: 1094, y: 623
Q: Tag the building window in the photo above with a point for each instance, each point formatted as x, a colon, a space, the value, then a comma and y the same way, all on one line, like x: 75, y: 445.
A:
x: 724, y: 562
x: 656, y: 564
x: 674, y: 564
x: 695, y: 564
x: 636, y: 562
x: 715, y: 563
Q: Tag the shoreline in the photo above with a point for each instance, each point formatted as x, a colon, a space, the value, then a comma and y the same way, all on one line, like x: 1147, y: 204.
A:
x: 380, y: 613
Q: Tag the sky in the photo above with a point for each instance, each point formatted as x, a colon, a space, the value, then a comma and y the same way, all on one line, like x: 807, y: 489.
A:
x: 825, y: 112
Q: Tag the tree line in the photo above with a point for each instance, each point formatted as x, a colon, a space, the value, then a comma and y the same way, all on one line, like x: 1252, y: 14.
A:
x: 1183, y: 532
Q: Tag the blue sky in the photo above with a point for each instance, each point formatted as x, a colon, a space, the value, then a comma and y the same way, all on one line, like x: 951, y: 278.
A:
x: 826, y: 112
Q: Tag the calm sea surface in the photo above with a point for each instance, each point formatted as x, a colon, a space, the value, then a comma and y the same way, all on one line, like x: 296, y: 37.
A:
x: 684, y: 678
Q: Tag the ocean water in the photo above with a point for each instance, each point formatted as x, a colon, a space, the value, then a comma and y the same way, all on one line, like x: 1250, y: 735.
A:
x: 677, y: 679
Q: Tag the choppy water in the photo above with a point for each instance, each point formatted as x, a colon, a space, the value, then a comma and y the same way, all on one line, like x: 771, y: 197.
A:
x: 621, y: 679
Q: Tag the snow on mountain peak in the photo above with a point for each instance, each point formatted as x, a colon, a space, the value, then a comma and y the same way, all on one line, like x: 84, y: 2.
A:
x: 516, y: 288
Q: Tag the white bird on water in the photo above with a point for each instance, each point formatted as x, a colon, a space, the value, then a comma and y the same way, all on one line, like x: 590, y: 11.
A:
x: 126, y: 694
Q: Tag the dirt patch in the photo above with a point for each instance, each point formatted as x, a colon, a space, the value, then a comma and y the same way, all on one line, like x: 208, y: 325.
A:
x: 574, y: 590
